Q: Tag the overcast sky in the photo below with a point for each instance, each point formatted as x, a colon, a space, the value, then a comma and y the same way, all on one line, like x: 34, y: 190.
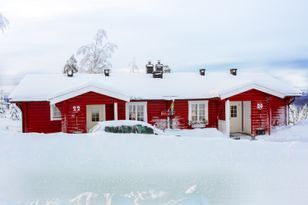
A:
x: 184, y: 34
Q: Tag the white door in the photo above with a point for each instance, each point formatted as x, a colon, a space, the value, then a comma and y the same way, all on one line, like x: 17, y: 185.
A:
x: 247, y: 116
x: 236, y: 116
x: 95, y: 114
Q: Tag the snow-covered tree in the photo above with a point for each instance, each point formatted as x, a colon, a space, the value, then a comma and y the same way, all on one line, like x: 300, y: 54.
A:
x: 133, y: 66
x: 71, y: 63
x: 297, y: 113
x: 3, y: 23
x: 15, y: 113
x: 94, y: 57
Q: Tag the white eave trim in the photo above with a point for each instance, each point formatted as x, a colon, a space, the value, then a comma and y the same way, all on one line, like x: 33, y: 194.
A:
x: 239, y: 90
x: 84, y: 89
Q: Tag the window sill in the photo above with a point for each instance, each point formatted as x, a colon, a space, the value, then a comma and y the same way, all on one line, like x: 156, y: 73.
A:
x: 55, y: 119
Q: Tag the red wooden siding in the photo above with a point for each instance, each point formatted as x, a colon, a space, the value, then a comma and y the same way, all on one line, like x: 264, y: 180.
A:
x: 36, y: 118
x: 181, y: 113
x: 156, y: 107
x: 221, y: 110
x: 272, y: 114
x: 279, y: 111
x: 36, y: 115
x: 77, y: 121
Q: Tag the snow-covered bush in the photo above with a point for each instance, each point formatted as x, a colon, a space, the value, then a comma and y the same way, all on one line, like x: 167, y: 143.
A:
x: 15, y: 113
x: 297, y: 113
x: 3, y: 23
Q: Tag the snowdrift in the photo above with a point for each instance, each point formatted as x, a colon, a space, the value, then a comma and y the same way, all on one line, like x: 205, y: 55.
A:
x: 199, y: 167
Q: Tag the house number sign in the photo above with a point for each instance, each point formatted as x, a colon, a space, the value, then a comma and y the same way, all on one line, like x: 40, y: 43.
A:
x: 259, y: 106
x: 76, y: 108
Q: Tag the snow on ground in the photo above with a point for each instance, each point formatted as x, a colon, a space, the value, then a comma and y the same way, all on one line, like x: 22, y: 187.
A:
x: 10, y: 125
x: 151, y: 169
x: 290, y: 133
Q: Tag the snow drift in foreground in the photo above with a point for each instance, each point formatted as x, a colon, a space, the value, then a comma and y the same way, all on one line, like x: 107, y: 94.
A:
x: 118, y: 169
x: 298, y: 133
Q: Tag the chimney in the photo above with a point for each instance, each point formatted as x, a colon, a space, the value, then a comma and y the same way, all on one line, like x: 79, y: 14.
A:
x: 149, y: 68
x: 69, y: 72
x: 107, y: 72
x: 202, y: 71
x: 158, y: 74
x: 159, y: 66
x: 233, y: 71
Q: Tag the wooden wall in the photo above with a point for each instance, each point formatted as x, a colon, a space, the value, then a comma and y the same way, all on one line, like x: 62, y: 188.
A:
x: 73, y: 121
x: 36, y: 117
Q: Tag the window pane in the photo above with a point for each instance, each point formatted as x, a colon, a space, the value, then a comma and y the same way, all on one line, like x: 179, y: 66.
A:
x: 95, y: 115
x: 140, y: 113
x: 233, y: 111
x: 201, y: 112
x: 56, y: 112
x: 194, y: 112
x: 132, y: 112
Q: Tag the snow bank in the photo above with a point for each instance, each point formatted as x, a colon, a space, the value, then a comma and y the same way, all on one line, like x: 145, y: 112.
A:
x: 150, y: 169
x: 183, y: 167
x: 11, y: 125
x: 299, y: 133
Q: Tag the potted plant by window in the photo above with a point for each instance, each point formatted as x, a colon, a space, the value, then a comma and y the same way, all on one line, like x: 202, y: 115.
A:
x: 198, y: 124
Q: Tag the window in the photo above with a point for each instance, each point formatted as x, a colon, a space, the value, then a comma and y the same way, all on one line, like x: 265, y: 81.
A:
x: 136, y: 111
x: 95, y: 115
x: 55, y: 113
x: 233, y: 111
x: 198, y: 112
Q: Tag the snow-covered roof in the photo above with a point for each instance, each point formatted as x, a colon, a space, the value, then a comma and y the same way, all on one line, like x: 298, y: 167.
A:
x: 127, y: 86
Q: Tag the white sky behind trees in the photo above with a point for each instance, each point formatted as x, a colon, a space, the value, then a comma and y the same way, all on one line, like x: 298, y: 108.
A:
x: 43, y: 34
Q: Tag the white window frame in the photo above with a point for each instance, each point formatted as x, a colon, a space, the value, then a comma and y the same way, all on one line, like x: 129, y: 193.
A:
x: 145, y: 109
x: 52, y: 117
x: 206, y: 109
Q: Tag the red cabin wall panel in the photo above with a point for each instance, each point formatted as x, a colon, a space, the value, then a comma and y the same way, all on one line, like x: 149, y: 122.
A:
x: 77, y: 121
x: 121, y: 111
x: 181, y: 113
x: 36, y: 117
x: 272, y: 114
x: 213, y: 113
x: 279, y: 110
x: 221, y: 109
x: 155, y: 110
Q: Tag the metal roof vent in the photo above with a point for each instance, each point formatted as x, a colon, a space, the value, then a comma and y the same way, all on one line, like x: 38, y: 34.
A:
x: 233, y: 71
x: 149, y: 68
x: 202, y: 71
x: 107, y: 72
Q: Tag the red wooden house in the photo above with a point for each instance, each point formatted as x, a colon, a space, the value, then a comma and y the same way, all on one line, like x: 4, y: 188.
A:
x: 233, y: 103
